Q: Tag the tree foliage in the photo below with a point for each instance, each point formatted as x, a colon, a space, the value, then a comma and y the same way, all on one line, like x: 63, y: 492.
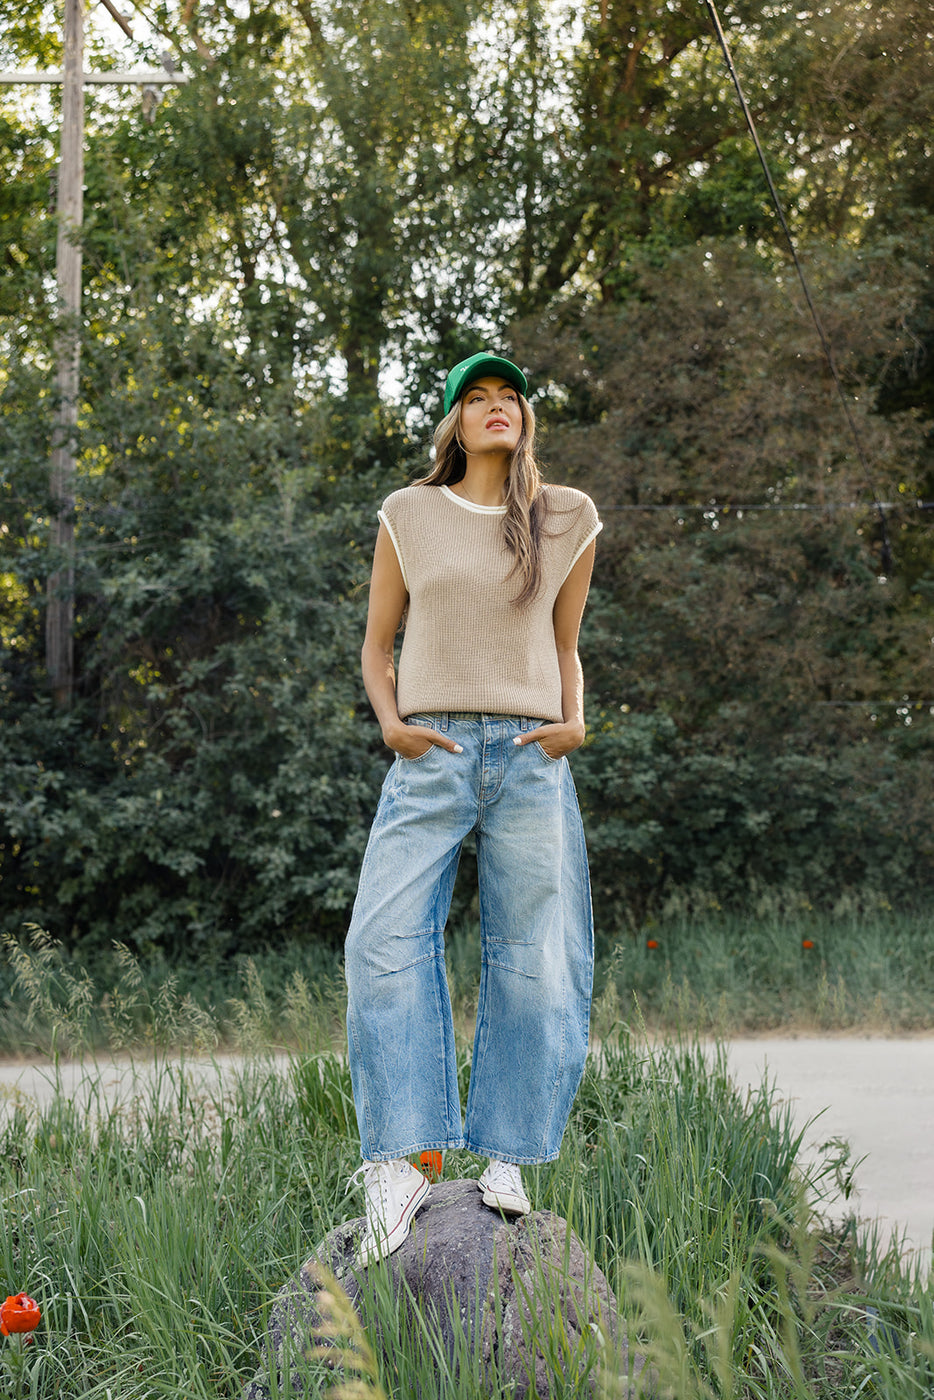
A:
x: 280, y: 258
x: 741, y: 563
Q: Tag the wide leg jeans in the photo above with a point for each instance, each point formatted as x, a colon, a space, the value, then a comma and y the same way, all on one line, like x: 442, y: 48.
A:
x: 536, y: 930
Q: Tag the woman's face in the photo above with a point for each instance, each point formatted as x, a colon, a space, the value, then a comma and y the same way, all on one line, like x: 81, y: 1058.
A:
x: 491, y: 416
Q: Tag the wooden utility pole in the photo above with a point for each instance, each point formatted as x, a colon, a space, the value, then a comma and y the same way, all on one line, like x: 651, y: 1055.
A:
x: 60, y: 600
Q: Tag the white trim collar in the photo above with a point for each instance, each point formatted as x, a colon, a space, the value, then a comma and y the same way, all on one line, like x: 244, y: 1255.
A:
x: 469, y: 505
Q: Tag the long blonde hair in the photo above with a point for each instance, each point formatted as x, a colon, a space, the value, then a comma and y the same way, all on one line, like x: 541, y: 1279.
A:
x: 526, y: 507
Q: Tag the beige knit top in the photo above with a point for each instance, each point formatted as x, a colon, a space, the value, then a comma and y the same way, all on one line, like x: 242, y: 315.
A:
x: 466, y: 645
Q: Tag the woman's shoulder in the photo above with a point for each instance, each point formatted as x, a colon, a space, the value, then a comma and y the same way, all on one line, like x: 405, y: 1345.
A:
x: 568, y: 499
x: 570, y: 494
x: 408, y: 499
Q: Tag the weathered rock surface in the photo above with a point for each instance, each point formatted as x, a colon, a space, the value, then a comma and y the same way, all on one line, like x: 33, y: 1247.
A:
x: 523, y: 1291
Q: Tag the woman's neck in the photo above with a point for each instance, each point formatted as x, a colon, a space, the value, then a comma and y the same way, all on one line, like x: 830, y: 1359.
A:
x: 484, y: 481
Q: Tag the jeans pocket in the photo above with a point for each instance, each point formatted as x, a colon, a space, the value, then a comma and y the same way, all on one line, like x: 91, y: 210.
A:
x: 546, y: 756
x: 419, y: 756
x: 422, y: 722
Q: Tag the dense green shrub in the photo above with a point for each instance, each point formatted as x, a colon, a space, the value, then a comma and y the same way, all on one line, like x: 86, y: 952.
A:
x: 276, y: 268
x: 666, y: 813
x: 213, y: 783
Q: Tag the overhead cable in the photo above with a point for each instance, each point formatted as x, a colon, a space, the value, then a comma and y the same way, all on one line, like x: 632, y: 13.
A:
x: 729, y: 508
x: 822, y: 334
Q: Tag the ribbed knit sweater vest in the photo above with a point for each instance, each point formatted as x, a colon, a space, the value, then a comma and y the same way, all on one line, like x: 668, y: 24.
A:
x: 467, y: 645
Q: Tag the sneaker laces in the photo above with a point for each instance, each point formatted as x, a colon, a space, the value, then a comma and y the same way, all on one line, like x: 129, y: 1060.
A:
x: 505, y: 1177
x: 376, y: 1178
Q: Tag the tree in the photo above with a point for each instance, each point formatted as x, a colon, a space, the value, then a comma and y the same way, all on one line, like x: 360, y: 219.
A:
x: 212, y: 788
x: 278, y: 266
x: 705, y: 392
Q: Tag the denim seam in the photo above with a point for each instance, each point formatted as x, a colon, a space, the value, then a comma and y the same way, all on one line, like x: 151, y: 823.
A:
x: 446, y: 1049
x: 507, y: 967
x: 403, y: 758
x: 427, y: 931
x: 559, y: 1066
x: 498, y: 746
x: 480, y: 1028
x: 546, y: 756
x: 480, y: 1149
x: 436, y: 1145
x: 416, y: 962
x: 364, y: 1095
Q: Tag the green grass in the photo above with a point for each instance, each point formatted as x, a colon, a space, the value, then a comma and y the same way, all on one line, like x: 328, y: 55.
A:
x: 711, y: 973
x: 51, y: 1002
x: 730, y: 974
x: 156, y: 1234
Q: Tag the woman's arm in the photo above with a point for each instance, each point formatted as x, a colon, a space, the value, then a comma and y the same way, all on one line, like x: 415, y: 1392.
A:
x: 388, y: 597
x: 559, y: 739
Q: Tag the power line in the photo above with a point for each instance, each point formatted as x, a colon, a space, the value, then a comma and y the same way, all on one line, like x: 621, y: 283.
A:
x: 822, y: 334
x: 902, y: 705
x: 729, y: 508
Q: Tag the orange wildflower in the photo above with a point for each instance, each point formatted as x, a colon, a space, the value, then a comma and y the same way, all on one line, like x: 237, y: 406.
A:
x: 432, y: 1164
x: 19, y: 1314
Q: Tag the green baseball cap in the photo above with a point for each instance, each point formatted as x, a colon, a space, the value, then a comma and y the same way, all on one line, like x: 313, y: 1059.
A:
x: 477, y: 367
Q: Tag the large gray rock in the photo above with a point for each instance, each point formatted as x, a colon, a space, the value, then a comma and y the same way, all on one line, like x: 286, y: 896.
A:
x: 523, y: 1292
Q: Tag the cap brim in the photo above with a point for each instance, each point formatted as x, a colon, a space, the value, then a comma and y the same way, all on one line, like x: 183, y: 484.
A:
x: 481, y: 367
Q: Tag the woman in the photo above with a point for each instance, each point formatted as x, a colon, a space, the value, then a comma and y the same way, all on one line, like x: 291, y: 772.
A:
x: 490, y: 569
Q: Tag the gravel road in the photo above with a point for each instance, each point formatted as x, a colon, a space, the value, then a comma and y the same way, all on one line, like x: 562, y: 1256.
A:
x: 877, y: 1094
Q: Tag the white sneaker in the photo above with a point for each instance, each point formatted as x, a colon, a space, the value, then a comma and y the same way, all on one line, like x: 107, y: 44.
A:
x: 394, y: 1191
x: 502, y: 1188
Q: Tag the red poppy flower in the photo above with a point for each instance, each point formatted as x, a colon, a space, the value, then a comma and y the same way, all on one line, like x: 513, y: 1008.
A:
x: 651, y: 942
x: 807, y: 943
x: 432, y: 1164
x: 19, y: 1314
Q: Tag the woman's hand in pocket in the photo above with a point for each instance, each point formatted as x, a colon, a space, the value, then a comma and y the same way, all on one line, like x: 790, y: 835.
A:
x: 414, y: 740
x: 556, y: 740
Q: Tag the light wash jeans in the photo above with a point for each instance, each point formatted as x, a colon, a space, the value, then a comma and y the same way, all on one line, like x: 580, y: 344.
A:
x: 536, y: 949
